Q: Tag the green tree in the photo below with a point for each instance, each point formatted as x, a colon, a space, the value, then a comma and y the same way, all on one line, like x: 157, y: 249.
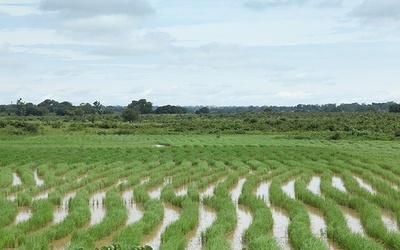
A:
x: 394, y: 107
x: 203, y: 110
x: 98, y: 107
x: 142, y: 106
x: 20, y: 107
x: 130, y: 115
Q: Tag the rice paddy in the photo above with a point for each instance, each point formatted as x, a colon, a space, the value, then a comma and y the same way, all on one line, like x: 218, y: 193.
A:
x: 198, y: 192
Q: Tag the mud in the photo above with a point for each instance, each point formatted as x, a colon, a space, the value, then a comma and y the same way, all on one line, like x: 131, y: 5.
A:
x: 61, y: 244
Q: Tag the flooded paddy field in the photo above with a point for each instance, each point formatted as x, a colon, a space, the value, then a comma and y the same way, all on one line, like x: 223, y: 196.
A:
x: 100, y: 191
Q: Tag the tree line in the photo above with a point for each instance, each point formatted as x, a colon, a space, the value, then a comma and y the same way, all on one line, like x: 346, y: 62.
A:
x: 142, y: 106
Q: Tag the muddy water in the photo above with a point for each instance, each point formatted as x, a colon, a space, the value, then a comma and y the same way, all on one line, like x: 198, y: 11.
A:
x: 134, y: 213
x: 280, y: 228
x: 16, y: 180
x: 209, y: 191
x: 263, y: 192
x: 81, y: 178
x: 171, y: 214
x: 39, y: 182
x: 244, y: 217
x: 314, y: 185
x: 143, y: 181
x: 61, y: 211
x: 41, y: 195
x: 390, y: 221
x: 318, y: 226
x: 181, y: 191
x: 24, y: 214
x: 97, y: 208
x: 12, y: 197
x: 365, y: 185
x: 353, y: 220
x: 61, y: 244
x: 156, y: 193
x: 288, y: 189
x: 337, y: 182
x: 119, y: 182
x: 206, y: 218
x: 280, y: 217
x: 244, y: 220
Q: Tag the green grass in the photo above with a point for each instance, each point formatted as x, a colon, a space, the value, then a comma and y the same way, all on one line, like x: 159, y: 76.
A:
x: 195, y: 161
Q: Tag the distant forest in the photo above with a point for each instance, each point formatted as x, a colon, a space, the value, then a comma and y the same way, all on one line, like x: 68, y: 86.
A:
x: 142, y: 106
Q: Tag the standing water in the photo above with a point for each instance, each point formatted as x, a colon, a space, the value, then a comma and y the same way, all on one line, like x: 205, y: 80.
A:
x: 244, y: 216
x: 97, y: 209
x: 338, y: 183
x: 390, y: 221
x: 61, y: 212
x: 38, y: 181
x: 134, y: 213
x: 280, y: 217
x: 288, y: 189
x: 16, y: 180
x: 353, y: 220
x: 314, y: 185
x: 365, y: 185
x: 171, y: 214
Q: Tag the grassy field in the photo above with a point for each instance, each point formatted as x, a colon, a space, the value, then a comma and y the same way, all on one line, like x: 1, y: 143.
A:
x: 60, y: 190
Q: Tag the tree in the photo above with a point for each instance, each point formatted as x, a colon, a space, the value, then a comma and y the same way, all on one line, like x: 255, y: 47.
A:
x: 169, y: 109
x: 130, y: 115
x: 142, y: 106
x: 20, y: 107
x: 394, y: 107
x: 48, y: 104
x: 203, y: 110
x: 98, y: 107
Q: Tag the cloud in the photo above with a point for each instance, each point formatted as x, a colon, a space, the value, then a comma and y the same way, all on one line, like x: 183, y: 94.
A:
x: 6, y: 60
x: 264, y: 4
x: 90, y: 8
x: 102, y: 24
x: 331, y: 3
x: 373, y: 9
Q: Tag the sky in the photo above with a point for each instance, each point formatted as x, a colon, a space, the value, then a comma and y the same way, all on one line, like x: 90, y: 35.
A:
x: 208, y: 52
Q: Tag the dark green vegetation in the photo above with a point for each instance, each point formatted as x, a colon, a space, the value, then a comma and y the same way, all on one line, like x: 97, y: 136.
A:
x: 106, y: 155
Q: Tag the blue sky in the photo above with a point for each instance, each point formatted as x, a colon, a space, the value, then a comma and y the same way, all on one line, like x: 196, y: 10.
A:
x: 183, y: 52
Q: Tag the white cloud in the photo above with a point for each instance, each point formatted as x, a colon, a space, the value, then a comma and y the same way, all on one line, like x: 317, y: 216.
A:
x: 89, y: 8
x: 378, y: 9
x: 98, y: 25
x: 264, y: 4
x: 331, y: 3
